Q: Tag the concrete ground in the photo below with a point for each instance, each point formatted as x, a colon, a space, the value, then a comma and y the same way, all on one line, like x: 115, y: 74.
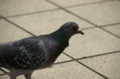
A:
x: 96, y: 55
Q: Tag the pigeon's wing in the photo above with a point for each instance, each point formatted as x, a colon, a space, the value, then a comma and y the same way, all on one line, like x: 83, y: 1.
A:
x: 24, y: 54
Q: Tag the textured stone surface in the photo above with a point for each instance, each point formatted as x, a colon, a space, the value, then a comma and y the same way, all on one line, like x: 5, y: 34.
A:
x: 99, y: 13
x: 1, y: 72
x: 70, y: 70
x: 16, y: 7
x: 4, y: 77
x: 9, y: 32
x: 62, y: 58
x: 47, y: 22
x: 95, y: 41
x: 115, y: 29
x: 109, y: 65
x: 65, y: 3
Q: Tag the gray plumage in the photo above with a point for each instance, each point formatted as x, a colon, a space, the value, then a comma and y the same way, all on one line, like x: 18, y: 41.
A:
x: 24, y: 56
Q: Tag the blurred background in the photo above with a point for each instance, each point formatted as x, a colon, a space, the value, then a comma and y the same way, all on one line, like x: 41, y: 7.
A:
x: 96, y: 55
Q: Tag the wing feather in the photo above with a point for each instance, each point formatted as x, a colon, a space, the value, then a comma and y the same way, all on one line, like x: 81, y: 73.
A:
x: 23, y: 54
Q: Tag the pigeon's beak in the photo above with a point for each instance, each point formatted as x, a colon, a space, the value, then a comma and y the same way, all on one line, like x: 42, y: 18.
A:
x: 79, y: 31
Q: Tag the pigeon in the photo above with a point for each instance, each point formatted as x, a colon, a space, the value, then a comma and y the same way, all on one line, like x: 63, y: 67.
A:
x: 24, y: 56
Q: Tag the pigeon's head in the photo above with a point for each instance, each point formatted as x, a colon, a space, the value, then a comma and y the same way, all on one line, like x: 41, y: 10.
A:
x: 71, y: 28
x: 66, y: 31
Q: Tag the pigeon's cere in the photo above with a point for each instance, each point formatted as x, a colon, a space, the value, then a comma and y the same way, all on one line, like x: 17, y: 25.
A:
x: 25, y: 56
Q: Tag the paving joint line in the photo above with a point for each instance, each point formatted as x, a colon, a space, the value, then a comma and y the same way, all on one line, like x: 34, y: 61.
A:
x: 32, y: 13
x: 88, y: 28
x: 107, y: 25
x: 93, y: 70
x: 0, y: 17
x: 63, y: 62
x: 4, y: 72
x: 56, y: 8
x: 109, y: 32
x: 86, y: 66
x: 98, y: 55
x: 84, y: 4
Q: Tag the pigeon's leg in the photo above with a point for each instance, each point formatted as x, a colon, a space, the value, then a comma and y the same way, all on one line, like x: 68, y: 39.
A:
x: 28, y: 76
x: 12, y: 77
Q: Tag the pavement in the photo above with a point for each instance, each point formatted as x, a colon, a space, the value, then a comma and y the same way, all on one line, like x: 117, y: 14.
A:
x: 96, y: 55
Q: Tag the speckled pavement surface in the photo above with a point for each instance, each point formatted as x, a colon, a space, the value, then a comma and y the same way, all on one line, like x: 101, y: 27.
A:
x: 96, y: 55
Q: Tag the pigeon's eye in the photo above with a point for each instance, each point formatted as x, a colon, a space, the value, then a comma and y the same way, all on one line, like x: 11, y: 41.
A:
x: 71, y: 27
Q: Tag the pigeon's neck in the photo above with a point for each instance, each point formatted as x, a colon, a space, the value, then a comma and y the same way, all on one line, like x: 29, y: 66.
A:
x: 61, y: 37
